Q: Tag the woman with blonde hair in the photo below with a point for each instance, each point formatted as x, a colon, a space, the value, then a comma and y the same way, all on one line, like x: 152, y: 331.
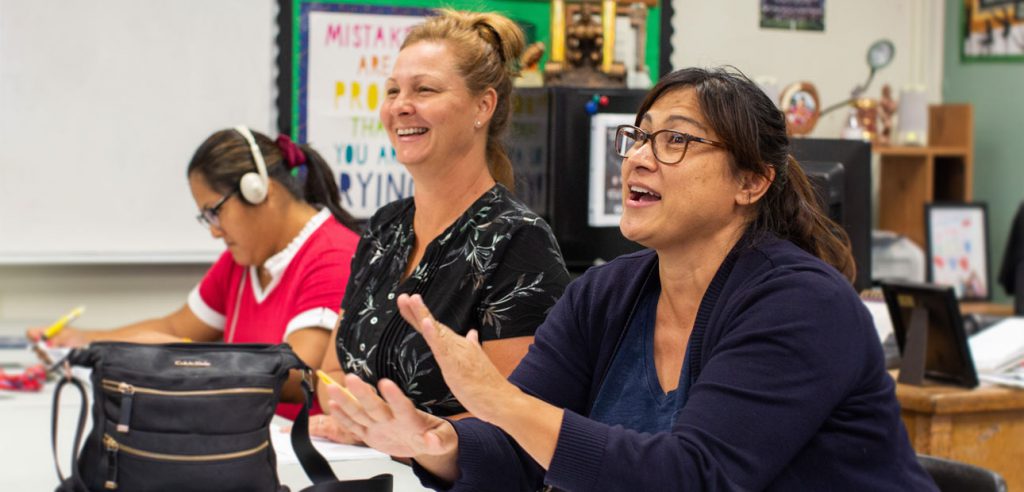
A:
x: 463, y: 240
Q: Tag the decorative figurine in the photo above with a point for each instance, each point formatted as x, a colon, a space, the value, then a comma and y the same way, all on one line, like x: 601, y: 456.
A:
x: 529, y: 64
x: 582, y: 46
x: 886, y: 111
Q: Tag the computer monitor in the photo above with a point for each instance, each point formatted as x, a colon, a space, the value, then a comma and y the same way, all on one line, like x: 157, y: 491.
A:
x: 930, y: 333
x: 550, y: 146
x: 855, y: 157
x: 829, y: 181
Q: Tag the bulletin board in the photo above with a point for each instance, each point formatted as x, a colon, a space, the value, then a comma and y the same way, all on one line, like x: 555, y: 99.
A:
x: 334, y: 59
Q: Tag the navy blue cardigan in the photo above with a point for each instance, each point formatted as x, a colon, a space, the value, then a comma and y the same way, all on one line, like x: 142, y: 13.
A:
x: 788, y: 389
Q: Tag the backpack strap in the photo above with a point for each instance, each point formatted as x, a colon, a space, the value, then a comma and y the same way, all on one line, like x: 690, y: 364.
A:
x: 68, y: 378
x: 315, y: 466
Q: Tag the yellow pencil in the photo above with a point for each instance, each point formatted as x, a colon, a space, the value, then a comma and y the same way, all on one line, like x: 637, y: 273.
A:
x: 65, y: 320
x: 331, y: 382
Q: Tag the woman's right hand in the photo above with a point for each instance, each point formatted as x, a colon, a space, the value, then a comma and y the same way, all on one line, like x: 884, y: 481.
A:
x: 68, y: 337
x: 391, y: 425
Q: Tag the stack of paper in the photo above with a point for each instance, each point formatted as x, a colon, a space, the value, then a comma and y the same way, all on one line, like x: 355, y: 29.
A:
x: 1000, y: 347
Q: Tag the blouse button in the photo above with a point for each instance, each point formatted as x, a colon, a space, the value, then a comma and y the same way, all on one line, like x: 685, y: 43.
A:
x: 362, y: 347
x: 373, y: 320
x: 391, y: 296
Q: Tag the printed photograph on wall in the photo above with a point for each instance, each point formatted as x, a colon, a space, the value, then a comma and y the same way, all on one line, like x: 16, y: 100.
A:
x: 993, y: 30
x: 793, y: 15
x: 957, y: 235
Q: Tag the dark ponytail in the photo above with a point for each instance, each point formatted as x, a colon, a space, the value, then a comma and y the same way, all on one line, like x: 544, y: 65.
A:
x: 791, y: 210
x: 754, y: 131
x: 322, y: 188
x: 224, y: 157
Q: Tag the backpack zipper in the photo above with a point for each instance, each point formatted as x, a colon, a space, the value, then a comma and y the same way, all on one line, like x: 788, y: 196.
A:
x: 128, y: 392
x: 114, y: 447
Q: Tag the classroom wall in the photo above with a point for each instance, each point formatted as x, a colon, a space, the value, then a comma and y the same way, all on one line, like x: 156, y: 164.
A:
x: 113, y: 294
x: 728, y: 32
x: 994, y: 88
x: 725, y: 31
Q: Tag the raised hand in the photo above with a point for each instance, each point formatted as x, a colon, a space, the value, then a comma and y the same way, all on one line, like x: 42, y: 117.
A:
x: 467, y: 370
x: 391, y: 424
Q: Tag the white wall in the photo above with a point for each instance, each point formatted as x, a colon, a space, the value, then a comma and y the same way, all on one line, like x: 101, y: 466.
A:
x: 102, y: 105
x: 113, y: 294
x: 728, y: 32
x: 155, y: 32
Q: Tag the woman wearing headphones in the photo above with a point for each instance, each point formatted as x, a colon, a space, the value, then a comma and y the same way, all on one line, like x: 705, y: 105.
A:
x: 275, y: 205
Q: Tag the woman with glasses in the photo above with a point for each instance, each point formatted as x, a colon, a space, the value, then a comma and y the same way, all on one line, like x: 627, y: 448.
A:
x: 275, y: 205
x: 733, y: 354
x: 462, y: 241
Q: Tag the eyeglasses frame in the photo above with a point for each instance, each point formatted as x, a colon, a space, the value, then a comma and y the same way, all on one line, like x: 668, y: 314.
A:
x: 210, y: 216
x: 649, y: 137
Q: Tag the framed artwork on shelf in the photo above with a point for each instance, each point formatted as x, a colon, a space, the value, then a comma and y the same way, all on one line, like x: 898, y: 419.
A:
x: 957, y: 245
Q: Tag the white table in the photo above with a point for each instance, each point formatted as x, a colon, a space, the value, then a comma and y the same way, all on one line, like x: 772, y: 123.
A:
x: 26, y: 461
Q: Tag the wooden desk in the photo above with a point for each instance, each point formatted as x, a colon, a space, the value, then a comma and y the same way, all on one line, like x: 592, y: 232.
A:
x: 986, y: 308
x: 983, y: 426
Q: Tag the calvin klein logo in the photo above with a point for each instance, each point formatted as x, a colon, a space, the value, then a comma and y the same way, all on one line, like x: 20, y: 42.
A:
x: 191, y: 363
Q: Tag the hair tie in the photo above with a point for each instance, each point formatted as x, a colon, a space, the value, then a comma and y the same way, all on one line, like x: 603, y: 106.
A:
x: 293, y: 155
x: 496, y: 44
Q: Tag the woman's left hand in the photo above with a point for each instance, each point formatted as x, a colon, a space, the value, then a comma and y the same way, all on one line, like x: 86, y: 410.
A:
x: 467, y: 370
x: 325, y: 427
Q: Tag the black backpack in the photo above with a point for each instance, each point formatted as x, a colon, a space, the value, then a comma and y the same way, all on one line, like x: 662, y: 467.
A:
x: 189, y: 416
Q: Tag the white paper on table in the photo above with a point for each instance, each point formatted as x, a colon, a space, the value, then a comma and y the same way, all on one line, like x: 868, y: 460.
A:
x: 880, y: 315
x: 998, y: 346
x: 330, y: 450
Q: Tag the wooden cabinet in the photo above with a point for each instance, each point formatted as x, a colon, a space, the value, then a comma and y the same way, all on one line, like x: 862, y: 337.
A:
x: 942, y: 171
x: 982, y: 426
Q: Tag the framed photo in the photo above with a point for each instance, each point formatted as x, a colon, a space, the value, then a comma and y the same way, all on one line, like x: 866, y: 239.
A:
x: 957, y: 235
x: 604, y: 206
x: 929, y: 333
x: 793, y: 15
x: 799, y: 101
x: 993, y: 30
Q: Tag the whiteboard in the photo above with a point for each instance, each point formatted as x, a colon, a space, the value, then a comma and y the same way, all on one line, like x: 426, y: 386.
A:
x: 102, y: 105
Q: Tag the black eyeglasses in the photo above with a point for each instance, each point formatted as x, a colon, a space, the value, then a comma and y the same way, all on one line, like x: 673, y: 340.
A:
x: 669, y: 145
x: 210, y: 216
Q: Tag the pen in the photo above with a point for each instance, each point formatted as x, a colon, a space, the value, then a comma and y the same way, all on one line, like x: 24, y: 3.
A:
x: 331, y: 382
x: 65, y: 320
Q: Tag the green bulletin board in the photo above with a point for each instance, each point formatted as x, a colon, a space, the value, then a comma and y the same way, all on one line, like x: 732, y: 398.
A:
x: 333, y: 59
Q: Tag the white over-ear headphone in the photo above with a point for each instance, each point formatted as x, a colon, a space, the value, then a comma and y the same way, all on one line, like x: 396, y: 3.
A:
x: 253, y: 185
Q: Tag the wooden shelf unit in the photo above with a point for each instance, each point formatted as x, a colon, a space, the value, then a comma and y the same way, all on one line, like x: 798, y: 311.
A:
x: 942, y: 171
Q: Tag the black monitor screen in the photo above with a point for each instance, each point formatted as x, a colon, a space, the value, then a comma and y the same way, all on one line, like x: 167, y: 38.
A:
x: 855, y: 157
x: 828, y: 180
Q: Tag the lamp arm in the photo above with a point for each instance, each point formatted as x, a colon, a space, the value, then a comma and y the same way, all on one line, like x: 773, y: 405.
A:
x: 857, y: 91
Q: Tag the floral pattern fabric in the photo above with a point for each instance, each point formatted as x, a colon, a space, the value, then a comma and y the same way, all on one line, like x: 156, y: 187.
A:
x: 497, y: 269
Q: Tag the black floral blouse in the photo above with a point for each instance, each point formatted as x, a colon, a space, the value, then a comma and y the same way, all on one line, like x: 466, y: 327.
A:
x: 497, y: 269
